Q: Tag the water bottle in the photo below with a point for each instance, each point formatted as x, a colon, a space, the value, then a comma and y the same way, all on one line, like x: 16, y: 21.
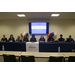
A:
x: 2, y: 47
x: 58, y: 49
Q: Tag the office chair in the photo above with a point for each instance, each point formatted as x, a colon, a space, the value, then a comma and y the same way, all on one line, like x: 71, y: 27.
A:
x: 27, y: 59
x: 9, y: 58
x: 71, y: 59
x: 56, y: 59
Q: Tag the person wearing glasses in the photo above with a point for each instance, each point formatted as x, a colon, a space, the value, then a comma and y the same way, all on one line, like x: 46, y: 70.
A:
x: 42, y: 39
x: 18, y: 39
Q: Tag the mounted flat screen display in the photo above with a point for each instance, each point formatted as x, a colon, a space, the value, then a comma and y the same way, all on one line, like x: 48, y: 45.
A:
x: 39, y: 28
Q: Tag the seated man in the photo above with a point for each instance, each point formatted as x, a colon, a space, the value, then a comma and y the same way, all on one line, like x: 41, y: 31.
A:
x: 50, y: 39
x: 4, y: 39
x: 33, y: 39
x: 62, y: 40
x: 42, y: 39
x: 70, y: 39
x: 18, y: 39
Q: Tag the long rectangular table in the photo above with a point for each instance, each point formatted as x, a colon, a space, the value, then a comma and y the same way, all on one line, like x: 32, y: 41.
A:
x: 16, y: 53
x: 53, y: 47
x: 35, y: 54
x: 43, y: 47
x: 38, y: 54
x: 13, y: 46
x: 67, y: 54
x: 41, y: 54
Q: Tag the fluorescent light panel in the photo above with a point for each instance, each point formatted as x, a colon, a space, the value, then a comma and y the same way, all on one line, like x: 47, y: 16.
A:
x: 55, y: 15
x: 21, y: 15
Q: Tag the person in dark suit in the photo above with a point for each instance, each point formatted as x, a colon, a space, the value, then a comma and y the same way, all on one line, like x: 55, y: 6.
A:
x: 11, y: 39
x: 25, y: 39
x: 70, y: 39
x: 62, y: 40
x: 18, y: 39
x: 42, y: 39
x: 50, y: 39
x: 4, y: 39
x: 33, y: 39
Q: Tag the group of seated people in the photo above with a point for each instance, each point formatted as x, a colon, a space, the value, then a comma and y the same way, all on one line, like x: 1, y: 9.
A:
x: 33, y: 39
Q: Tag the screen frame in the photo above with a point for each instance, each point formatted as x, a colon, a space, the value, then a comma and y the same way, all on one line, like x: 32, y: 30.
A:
x: 47, y: 30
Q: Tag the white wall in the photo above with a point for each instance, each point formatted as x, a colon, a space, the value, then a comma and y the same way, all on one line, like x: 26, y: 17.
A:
x: 65, y: 27
x: 16, y: 27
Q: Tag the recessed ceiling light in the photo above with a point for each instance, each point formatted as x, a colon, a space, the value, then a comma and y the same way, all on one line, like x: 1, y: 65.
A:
x: 55, y: 15
x: 21, y: 15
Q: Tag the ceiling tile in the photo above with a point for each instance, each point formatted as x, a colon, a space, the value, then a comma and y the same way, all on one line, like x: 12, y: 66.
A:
x: 38, y: 15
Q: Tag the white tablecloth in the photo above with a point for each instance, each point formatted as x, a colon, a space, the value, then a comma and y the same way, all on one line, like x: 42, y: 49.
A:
x: 32, y: 47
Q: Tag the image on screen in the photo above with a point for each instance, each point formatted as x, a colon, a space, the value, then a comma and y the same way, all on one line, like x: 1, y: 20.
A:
x: 38, y: 28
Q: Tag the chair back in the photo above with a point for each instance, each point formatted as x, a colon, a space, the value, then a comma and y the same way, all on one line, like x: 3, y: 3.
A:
x: 9, y: 58
x: 27, y: 59
x: 71, y: 59
x: 56, y: 59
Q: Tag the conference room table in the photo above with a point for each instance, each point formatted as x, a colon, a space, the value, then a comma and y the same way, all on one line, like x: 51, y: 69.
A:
x: 43, y: 47
x: 13, y: 46
x: 53, y: 47
x: 16, y: 53
x: 67, y: 54
x: 41, y: 54
x: 38, y: 54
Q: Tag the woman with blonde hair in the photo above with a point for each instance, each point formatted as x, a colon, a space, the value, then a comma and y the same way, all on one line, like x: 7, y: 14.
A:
x: 25, y: 39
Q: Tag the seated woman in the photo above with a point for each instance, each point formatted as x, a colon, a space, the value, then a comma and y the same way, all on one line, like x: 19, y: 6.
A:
x: 18, y: 39
x: 11, y: 39
x: 42, y: 39
x: 25, y: 39
x: 33, y: 39
x: 50, y: 39
x: 4, y: 39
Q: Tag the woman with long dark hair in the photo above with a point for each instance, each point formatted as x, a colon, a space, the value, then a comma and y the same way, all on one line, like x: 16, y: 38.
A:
x: 11, y: 39
x: 50, y: 39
